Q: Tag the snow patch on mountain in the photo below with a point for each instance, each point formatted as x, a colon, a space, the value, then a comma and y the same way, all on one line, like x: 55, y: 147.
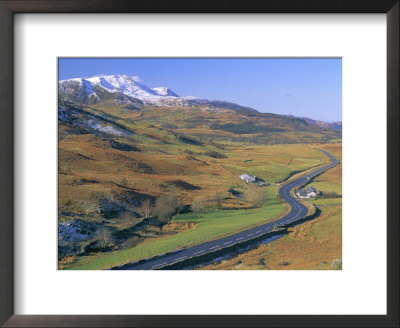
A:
x: 105, y: 84
x: 164, y: 91
x: 128, y: 85
x: 102, y: 87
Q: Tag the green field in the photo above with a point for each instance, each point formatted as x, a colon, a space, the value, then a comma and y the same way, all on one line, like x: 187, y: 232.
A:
x: 279, y: 162
x: 328, y: 202
x: 313, y: 245
x: 211, y: 225
x: 104, y: 178
x: 327, y: 187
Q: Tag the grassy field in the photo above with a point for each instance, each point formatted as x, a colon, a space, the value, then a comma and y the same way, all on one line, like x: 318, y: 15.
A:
x: 88, y: 164
x: 312, y: 245
x: 105, y: 176
x: 214, y: 223
x: 211, y: 225
x: 328, y: 187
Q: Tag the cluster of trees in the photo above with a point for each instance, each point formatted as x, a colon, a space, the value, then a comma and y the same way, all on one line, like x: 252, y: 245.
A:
x: 164, y: 207
x: 101, y: 239
x: 329, y: 195
x: 253, y: 194
x: 168, y: 205
x: 199, y: 205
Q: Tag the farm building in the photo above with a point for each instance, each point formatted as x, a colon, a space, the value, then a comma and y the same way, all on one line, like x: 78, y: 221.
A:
x: 247, y: 178
x: 310, y: 192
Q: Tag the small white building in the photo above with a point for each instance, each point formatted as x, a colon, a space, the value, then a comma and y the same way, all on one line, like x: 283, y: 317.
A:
x: 247, y: 178
x: 310, y: 192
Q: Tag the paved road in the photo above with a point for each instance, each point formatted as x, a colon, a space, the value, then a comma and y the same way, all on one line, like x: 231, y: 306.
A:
x: 298, y: 211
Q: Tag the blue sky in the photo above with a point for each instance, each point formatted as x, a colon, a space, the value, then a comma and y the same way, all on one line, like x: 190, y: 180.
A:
x: 306, y: 87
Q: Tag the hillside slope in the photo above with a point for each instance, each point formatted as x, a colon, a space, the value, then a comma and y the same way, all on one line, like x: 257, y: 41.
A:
x: 122, y: 144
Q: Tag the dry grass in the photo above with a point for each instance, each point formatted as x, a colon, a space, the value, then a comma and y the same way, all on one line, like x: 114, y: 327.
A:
x: 304, y: 248
x: 180, y: 226
x: 68, y: 260
x: 89, y: 165
x: 312, y: 245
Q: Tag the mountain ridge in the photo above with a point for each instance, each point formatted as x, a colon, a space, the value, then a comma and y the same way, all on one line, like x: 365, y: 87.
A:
x: 129, y: 92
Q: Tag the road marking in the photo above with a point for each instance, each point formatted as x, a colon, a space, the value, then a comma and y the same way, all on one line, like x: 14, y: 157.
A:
x: 258, y: 231
x: 181, y: 258
x: 250, y: 234
x: 239, y: 238
x: 228, y: 242
x: 214, y: 247
x: 198, y: 252
x: 157, y: 265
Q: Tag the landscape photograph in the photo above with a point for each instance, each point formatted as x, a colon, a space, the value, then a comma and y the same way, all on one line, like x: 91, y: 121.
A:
x: 199, y: 164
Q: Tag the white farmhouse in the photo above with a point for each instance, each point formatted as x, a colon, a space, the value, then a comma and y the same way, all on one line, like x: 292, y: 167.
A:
x: 247, y: 178
x: 310, y: 192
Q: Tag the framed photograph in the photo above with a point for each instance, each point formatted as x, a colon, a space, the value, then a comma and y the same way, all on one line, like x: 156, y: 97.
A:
x: 151, y: 180
x: 206, y: 164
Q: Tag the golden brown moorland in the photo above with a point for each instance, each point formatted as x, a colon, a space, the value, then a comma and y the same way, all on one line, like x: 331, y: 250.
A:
x: 313, y: 245
x: 139, y: 183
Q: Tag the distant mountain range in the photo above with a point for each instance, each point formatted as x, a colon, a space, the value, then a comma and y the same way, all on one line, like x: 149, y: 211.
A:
x: 330, y: 125
x: 130, y: 93
x: 104, y: 104
x: 327, y: 125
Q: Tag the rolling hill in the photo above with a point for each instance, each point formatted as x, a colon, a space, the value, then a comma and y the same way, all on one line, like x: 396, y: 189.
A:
x: 120, y: 97
x: 122, y: 143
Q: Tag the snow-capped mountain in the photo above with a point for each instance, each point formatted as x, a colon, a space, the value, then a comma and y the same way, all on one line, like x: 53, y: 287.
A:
x: 128, y: 85
x: 103, y: 87
x: 130, y: 92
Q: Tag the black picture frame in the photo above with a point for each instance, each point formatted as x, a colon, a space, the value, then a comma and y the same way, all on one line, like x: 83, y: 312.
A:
x: 10, y: 7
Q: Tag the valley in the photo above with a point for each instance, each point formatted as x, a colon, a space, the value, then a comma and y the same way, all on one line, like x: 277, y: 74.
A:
x: 148, y: 172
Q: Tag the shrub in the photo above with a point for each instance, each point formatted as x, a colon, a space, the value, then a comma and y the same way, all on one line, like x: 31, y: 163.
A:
x: 145, y: 209
x: 130, y: 242
x: 254, y: 195
x: 199, y: 205
x: 104, y: 237
x: 337, y: 264
x: 124, y: 182
x: 84, y: 245
x: 65, y: 261
x: 91, y: 205
x: 284, y: 263
x: 219, y: 198
x: 127, y: 219
x: 165, y: 207
x: 329, y: 195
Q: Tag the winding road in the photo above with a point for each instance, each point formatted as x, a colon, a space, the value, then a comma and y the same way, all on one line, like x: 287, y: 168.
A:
x: 298, y: 211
